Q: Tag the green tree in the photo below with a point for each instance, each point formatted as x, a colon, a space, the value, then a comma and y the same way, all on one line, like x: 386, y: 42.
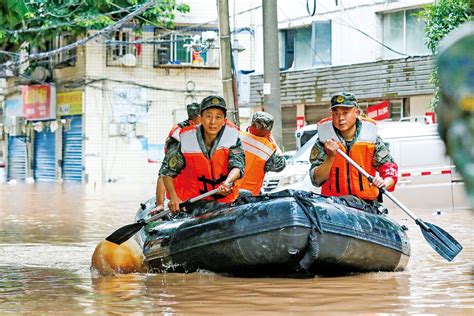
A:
x: 37, y: 21
x: 440, y: 18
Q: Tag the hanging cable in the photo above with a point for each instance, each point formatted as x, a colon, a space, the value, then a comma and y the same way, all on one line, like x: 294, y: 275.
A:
x: 311, y: 12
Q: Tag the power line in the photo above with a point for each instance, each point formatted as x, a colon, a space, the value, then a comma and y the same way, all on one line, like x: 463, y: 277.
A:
x: 106, y: 30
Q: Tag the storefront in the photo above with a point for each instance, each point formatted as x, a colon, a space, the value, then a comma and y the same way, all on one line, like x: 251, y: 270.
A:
x: 69, y: 105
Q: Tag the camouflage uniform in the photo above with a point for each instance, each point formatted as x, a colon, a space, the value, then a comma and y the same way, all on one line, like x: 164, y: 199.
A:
x: 264, y: 121
x: 174, y: 161
x: 318, y: 154
x: 193, y: 110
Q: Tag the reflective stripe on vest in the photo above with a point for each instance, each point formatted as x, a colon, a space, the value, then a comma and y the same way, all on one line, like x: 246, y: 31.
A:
x: 343, y: 178
x: 367, y: 134
x: 201, y: 174
x: 174, y: 133
x: 257, y: 152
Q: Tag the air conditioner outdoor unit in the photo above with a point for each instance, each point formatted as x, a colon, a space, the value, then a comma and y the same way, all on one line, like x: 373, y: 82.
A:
x: 40, y: 74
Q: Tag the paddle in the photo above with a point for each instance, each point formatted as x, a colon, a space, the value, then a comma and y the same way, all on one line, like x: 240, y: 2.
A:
x: 442, y: 242
x: 126, y: 232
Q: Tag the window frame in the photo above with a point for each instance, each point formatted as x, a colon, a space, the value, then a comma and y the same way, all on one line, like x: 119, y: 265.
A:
x: 285, y: 55
x: 174, y: 51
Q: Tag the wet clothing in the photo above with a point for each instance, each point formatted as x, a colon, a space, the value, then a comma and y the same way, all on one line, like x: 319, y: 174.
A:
x: 260, y: 157
x: 192, y: 156
x: 366, y: 148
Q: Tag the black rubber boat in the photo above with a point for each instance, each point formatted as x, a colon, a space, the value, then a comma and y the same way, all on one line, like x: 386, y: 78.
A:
x: 285, y: 233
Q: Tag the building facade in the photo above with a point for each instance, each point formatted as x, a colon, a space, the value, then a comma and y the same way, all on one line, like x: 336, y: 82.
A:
x: 111, y: 102
x: 373, y: 48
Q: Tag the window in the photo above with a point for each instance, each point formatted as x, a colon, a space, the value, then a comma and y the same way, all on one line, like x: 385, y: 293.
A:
x: 187, y: 48
x: 404, y: 33
x: 66, y: 58
x: 306, y: 47
x: 120, y: 52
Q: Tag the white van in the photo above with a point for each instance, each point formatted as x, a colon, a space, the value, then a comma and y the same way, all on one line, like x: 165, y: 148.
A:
x: 427, y: 177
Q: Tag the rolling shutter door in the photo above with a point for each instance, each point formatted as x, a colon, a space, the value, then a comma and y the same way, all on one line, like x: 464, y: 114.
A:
x: 314, y: 113
x: 45, y: 156
x: 288, y: 120
x: 72, y: 150
x: 16, y: 158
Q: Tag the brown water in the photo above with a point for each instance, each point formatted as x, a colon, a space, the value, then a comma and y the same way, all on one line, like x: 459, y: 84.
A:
x: 49, y: 231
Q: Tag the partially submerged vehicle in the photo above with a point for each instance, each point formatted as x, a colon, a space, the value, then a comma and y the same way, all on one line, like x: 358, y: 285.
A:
x: 282, y: 234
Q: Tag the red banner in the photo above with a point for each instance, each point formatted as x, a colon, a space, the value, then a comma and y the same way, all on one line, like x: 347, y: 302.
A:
x: 299, y: 122
x: 39, y: 102
x: 380, y: 111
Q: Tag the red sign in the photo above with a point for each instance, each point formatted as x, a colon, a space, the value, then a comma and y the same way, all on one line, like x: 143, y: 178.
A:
x: 39, y: 102
x: 380, y: 111
x: 431, y: 115
x: 299, y: 122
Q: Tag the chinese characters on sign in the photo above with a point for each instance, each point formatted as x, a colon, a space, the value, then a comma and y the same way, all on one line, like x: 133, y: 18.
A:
x: 39, y: 102
x: 299, y: 122
x: 69, y: 103
x: 380, y: 111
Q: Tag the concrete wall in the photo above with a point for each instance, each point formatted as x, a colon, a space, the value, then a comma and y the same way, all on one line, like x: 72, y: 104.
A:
x: 350, y: 20
x: 123, y: 156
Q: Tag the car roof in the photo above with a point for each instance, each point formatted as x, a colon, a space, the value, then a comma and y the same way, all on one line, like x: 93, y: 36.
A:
x: 406, y: 129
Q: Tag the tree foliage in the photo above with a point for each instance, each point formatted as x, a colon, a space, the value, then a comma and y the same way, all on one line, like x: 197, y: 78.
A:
x: 36, y: 21
x: 440, y: 19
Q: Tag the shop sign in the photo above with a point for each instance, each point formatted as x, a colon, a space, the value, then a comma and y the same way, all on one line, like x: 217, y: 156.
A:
x: 69, y: 103
x: 380, y: 111
x: 299, y: 122
x: 12, y: 109
x: 39, y: 102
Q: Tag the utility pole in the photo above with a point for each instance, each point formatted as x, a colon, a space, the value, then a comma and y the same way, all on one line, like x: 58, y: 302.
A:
x: 226, y: 58
x: 271, y: 70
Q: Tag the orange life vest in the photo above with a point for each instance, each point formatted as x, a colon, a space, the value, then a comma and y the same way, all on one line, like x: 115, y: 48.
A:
x: 343, y: 178
x: 201, y: 174
x: 257, y: 152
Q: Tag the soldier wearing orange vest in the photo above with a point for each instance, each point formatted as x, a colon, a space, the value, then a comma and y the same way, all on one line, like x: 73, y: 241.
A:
x: 357, y: 137
x: 261, y: 153
x: 194, y: 118
x: 209, y: 156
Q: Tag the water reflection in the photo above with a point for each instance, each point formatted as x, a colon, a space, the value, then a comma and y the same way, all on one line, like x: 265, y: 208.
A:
x: 48, y: 234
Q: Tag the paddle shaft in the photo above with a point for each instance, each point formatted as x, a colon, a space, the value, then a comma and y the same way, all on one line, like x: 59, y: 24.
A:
x: 126, y: 232
x: 182, y: 205
x: 383, y: 190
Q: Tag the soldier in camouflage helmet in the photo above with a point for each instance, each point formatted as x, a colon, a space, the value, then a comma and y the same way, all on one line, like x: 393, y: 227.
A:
x: 357, y: 137
x: 262, y: 121
x: 210, y: 156
x: 262, y: 154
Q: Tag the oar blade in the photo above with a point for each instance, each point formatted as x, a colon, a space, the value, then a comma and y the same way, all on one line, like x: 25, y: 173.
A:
x: 441, y: 241
x: 125, y: 233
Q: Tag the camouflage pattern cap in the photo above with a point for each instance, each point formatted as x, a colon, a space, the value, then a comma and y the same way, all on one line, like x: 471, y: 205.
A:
x: 262, y: 121
x: 213, y: 101
x: 344, y: 99
x: 193, y: 109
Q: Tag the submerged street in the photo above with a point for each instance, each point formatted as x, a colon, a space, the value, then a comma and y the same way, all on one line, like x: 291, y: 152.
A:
x: 49, y: 232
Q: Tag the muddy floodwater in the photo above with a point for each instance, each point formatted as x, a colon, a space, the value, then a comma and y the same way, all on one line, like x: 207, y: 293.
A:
x: 48, y: 233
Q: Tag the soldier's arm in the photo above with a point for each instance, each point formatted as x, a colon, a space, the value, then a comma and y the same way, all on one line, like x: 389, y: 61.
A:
x: 237, y: 158
x: 275, y: 163
x: 320, y: 164
x: 385, y: 165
